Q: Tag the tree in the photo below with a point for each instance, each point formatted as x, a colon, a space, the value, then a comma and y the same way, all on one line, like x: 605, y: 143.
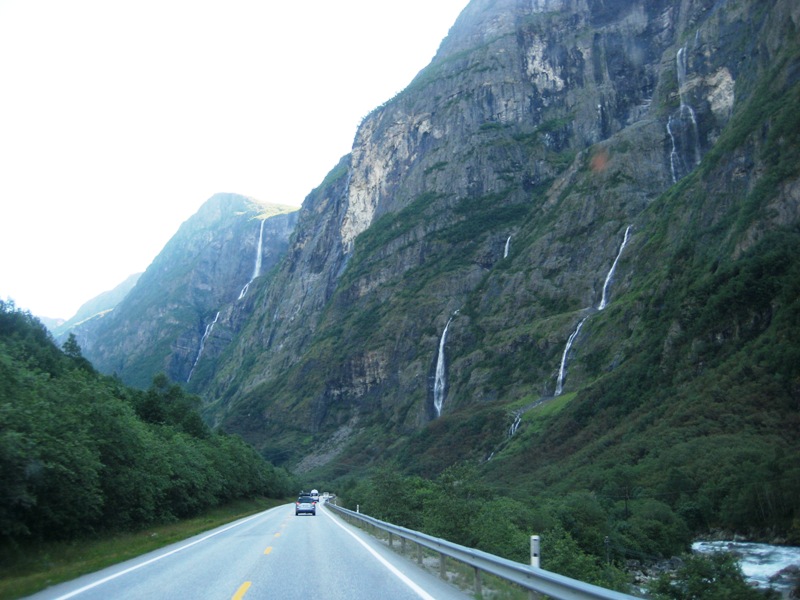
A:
x: 71, y: 347
x: 395, y: 498
x: 503, y: 526
x: 73, y: 351
x: 562, y: 554
x: 450, y: 509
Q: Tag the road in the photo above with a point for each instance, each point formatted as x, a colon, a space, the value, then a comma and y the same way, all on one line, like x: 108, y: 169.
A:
x: 271, y: 555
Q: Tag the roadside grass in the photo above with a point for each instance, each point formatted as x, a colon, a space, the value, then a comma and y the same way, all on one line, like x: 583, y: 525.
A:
x: 28, y: 569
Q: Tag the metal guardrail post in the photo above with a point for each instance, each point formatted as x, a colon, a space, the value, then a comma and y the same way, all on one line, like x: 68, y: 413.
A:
x: 535, y: 551
x: 535, y: 556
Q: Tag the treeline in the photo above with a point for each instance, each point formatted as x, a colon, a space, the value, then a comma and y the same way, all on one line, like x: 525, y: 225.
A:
x: 460, y: 507
x: 81, y: 452
x: 582, y: 535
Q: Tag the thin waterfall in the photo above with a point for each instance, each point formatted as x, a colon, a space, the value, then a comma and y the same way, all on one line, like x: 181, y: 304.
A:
x: 673, y: 155
x: 680, y: 58
x: 209, y: 327
x: 603, y: 302
x: 682, y: 128
x: 440, y: 381
x: 508, y: 245
x: 563, y: 368
x: 515, y: 425
x: 257, y: 268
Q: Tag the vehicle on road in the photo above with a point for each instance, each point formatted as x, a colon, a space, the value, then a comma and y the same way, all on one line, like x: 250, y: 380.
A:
x: 315, y: 495
x: 305, y: 505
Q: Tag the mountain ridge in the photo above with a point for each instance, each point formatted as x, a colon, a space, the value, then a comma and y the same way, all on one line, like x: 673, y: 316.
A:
x: 491, y: 199
x: 94, y: 307
x: 203, y: 271
x: 363, y: 190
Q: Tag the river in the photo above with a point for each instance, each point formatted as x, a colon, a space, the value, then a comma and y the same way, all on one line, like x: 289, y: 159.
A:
x: 760, y: 563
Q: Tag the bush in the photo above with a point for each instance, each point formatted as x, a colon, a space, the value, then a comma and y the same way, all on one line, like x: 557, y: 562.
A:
x: 707, y: 577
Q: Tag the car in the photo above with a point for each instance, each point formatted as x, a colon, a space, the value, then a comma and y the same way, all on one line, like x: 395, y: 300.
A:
x: 315, y: 495
x: 305, y: 505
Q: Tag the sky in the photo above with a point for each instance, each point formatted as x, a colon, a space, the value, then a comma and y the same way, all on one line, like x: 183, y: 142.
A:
x: 120, y: 118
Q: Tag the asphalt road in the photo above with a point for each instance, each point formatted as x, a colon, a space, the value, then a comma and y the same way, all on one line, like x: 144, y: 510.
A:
x: 272, y: 555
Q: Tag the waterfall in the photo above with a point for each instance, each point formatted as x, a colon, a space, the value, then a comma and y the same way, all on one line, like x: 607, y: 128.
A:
x: 257, y: 268
x: 562, y: 369
x: 613, y: 267
x: 673, y: 155
x: 515, y: 425
x: 682, y: 128
x: 603, y: 303
x: 207, y: 332
x: 508, y: 245
x: 440, y: 382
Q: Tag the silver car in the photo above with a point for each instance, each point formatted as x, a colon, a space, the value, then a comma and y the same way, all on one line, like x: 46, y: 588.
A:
x: 305, y: 504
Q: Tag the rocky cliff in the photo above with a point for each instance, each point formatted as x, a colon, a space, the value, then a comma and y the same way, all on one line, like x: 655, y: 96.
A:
x: 493, y: 197
x: 188, y: 304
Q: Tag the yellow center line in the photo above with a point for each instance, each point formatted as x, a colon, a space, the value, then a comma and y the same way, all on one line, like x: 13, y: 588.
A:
x: 278, y: 534
x: 241, y: 591
x: 268, y: 550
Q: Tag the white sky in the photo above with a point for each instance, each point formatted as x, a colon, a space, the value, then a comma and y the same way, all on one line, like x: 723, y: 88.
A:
x: 119, y: 118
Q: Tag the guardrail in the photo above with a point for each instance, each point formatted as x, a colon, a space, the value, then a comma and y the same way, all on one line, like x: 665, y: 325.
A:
x: 532, y: 579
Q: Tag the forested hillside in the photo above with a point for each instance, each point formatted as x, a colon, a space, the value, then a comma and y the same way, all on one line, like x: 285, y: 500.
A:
x: 82, y: 453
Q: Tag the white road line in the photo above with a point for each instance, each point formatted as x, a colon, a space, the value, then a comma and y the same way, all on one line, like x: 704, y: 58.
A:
x: 157, y: 558
x: 419, y: 591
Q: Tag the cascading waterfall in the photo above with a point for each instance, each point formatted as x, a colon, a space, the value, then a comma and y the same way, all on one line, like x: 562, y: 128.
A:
x: 207, y: 332
x: 508, y: 245
x: 515, y: 425
x: 563, y: 368
x: 439, y: 383
x: 682, y: 128
x: 673, y: 155
x: 603, y: 302
x: 257, y: 268
x: 680, y: 60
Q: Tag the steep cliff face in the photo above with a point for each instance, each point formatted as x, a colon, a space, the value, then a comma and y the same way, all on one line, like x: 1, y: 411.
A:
x: 164, y: 324
x: 494, y: 194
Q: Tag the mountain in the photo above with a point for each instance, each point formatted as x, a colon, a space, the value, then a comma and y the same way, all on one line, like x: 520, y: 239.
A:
x: 491, y: 199
x: 52, y: 323
x: 94, y: 307
x: 200, y: 281
x: 567, y: 252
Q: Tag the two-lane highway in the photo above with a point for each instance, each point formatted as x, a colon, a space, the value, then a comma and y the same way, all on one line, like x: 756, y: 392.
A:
x: 274, y: 555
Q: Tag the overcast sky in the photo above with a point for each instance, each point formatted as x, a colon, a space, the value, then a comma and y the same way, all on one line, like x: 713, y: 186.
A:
x: 119, y: 118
